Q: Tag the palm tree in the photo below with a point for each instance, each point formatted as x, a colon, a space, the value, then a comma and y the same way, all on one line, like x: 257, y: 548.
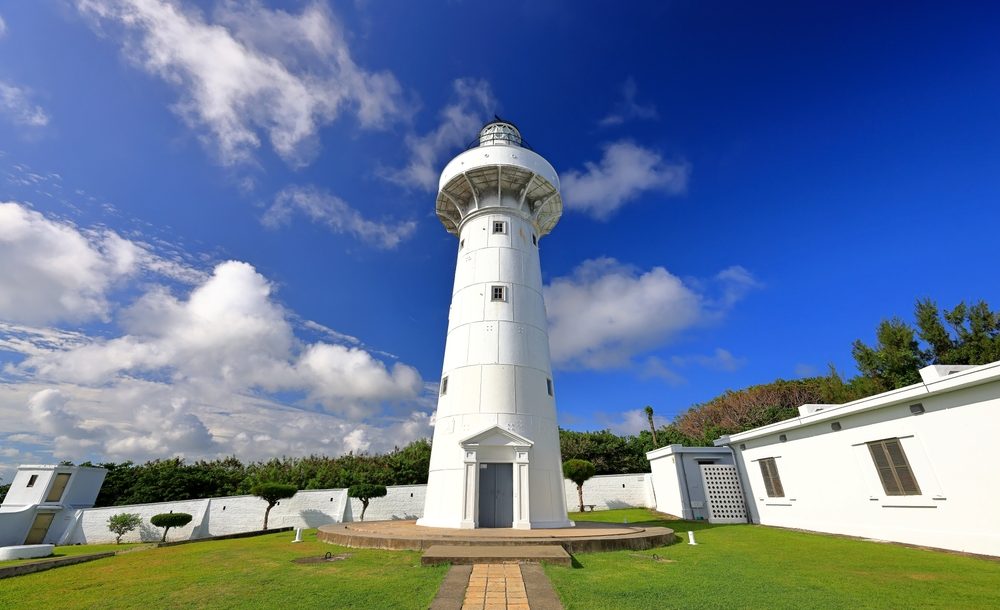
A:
x: 652, y: 428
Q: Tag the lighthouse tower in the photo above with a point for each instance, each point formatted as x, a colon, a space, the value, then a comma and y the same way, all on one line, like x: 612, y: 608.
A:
x: 495, y: 460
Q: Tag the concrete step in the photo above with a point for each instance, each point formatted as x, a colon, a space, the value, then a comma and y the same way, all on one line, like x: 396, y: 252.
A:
x: 472, y: 554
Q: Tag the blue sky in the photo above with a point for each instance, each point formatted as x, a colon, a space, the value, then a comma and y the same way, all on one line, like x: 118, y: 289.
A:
x: 219, y: 233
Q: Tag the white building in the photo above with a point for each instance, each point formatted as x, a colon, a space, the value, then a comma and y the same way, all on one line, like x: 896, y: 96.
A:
x: 678, y: 482
x: 916, y: 465
x: 495, y: 460
x: 43, y: 502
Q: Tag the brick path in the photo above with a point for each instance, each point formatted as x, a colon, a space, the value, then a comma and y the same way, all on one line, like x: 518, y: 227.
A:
x: 496, y: 586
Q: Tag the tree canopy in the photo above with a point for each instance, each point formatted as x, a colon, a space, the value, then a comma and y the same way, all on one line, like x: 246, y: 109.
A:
x: 365, y: 492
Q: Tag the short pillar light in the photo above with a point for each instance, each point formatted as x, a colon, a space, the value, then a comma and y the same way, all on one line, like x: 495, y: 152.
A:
x: 691, y: 538
x: 298, y: 535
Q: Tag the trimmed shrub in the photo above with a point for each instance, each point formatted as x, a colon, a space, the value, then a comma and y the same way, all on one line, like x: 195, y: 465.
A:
x: 271, y: 493
x: 578, y: 471
x: 365, y: 492
x: 169, y: 520
x: 123, y: 523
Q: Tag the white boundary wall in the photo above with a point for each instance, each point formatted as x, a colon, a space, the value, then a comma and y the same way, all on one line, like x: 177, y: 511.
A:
x: 312, y: 508
x: 612, y: 491
x: 831, y: 484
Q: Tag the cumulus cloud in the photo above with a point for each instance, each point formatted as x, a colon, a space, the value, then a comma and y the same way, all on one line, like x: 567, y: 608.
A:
x: 625, y: 171
x: 16, y: 106
x: 252, y: 72
x: 631, y: 421
x: 230, y: 333
x: 459, y: 122
x: 718, y: 360
x: 333, y: 212
x: 52, y: 271
x: 628, y: 108
x: 605, y: 313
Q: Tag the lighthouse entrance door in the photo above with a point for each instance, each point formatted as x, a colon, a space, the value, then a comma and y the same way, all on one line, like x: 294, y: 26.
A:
x: 496, y: 495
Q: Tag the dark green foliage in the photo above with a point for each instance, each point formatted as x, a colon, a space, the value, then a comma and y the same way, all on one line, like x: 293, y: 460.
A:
x: 365, y: 492
x: 169, y: 520
x: 173, y: 479
x: 3, y: 491
x: 272, y: 493
x: 972, y: 336
x: 895, y: 359
x: 609, y: 452
x: 122, y: 523
x: 578, y: 471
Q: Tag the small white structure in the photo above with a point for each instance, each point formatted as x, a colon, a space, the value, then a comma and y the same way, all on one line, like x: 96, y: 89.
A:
x: 679, y: 482
x: 495, y: 460
x: 43, y: 502
x: 914, y: 465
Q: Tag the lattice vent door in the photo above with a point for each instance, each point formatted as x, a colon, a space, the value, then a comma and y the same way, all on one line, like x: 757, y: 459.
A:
x: 724, y: 493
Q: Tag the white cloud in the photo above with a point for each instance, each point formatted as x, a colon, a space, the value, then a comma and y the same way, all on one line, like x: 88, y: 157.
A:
x: 460, y: 121
x: 626, y: 171
x: 52, y: 271
x: 231, y: 334
x: 17, y: 107
x: 606, y: 313
x: 628, y: 108
x: 632, y: 421
x: 719, y: 360
x: 252, y: 72
x: 336, y: 214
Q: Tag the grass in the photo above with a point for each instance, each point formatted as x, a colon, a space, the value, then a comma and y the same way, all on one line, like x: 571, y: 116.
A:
x: 749, y: 566
x: 76, y: 549
x: 242, y: 573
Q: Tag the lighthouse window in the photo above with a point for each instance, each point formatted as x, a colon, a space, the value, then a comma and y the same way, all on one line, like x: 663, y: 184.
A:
x: 31, y: 480
x: 461, y: 244
x: 534, y: 239
x: 444, y: 386
x: 548, y: 383
x: 499, y: 226
x: 499, y: 293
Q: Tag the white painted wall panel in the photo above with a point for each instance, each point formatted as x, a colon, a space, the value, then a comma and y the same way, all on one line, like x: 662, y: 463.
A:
x: 831, y: 484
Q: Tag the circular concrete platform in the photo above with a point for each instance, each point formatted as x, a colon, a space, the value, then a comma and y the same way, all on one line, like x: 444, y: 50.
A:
x: 585, y: 537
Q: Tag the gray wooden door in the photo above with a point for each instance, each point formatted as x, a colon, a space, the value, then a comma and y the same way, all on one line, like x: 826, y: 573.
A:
x: 496, y: 495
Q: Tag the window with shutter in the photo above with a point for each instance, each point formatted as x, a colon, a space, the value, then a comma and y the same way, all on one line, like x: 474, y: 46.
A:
x: 772, y: 482
x: 893, y: 468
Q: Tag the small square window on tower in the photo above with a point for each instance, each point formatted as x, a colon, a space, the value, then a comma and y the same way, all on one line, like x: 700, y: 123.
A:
x: 444, y: 386
x: 31, y: 480
x: 499, y: 226
x: 499, y: 293
x: 548, y: 384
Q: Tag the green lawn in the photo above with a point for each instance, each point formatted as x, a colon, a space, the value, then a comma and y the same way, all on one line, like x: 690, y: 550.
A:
x: 242, y: 573
x: 76, y: 549
x: 749, y: 566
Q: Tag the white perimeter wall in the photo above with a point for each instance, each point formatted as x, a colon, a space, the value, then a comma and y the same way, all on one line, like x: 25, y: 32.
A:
x: 310, y: 509
x: 831, y: 484
x: 612, y: 491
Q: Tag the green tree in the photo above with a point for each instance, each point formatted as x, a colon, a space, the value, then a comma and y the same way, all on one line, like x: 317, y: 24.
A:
x: 896, y: 358
x: 578, y: 471
x: 272, y: 493
x: 169, y: 520
x: 122, y: 523
x: 652, y: 426
x: 365, y: 492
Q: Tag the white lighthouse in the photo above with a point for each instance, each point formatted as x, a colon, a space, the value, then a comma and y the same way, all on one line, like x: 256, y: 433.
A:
x: 495, y: 460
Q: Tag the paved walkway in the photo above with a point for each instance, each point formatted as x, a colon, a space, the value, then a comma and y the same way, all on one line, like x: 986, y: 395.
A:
x: 497, y: 586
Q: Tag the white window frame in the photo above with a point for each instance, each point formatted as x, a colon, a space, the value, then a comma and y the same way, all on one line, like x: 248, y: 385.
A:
x: 503, y: 294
